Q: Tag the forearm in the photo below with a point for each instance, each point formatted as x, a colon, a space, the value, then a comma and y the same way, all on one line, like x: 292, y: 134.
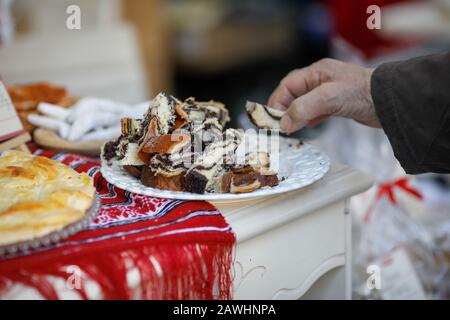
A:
x: 412, y: 101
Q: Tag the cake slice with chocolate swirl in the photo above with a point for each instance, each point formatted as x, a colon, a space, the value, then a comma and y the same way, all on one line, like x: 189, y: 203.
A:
x: 264, y: 117
x: 253, y: 174
x: 203, y: 174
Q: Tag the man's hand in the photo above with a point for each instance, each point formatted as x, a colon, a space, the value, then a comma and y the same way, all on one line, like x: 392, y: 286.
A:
x: 325, y: 88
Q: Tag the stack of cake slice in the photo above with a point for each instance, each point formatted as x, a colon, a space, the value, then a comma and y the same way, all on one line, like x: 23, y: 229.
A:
x: 183, y: 146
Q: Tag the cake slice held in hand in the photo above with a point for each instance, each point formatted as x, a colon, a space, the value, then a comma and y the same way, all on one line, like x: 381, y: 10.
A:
x: 263, y: 116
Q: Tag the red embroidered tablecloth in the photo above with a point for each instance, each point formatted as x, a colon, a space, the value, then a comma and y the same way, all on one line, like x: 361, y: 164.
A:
x: 179, y: 249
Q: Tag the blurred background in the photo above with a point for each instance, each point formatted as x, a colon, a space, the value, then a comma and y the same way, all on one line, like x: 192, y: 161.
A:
x: 228, y: 50
x: 231, y: 51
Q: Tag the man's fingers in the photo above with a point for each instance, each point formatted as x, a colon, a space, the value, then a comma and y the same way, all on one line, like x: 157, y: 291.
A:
x: 295, y: 84
x: 317, y: 104
x: 290, y: 125
x: 316, y: 121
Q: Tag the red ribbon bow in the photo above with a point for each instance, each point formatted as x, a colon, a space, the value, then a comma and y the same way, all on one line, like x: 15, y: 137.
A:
x: 388, y: 190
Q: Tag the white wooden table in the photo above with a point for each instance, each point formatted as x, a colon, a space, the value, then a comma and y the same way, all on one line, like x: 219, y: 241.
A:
x: 297, y: 245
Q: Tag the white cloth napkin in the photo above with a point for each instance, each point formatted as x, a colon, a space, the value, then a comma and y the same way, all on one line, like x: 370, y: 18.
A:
x: 89, y: 119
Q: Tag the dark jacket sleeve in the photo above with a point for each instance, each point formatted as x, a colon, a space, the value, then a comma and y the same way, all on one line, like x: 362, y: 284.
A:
x: 412, y: 101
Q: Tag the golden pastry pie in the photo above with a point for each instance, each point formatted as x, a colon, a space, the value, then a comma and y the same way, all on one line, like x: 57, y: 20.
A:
x: 39, y: 195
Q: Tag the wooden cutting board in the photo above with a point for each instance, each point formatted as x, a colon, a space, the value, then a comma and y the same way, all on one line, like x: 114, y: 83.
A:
x: 50, y: 139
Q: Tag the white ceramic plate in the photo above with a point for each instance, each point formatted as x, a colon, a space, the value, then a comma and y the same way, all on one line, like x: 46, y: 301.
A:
x: 299, y: 167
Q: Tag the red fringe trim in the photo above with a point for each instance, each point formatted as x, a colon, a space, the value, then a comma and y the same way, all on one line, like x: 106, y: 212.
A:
x: 166, y: 271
